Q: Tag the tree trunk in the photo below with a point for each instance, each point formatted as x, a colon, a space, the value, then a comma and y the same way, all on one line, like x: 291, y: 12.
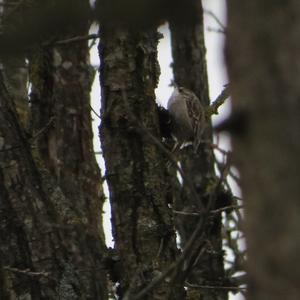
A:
x: 262, y: 58
x: 135, y: 167
x: 47, y: 251
x: 51, y: 237
x: 189, y: 67
x: 60, y: 105
x: 16, y: 74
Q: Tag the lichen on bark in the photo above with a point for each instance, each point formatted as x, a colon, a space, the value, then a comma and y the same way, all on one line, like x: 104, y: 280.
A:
x: 135, y: 170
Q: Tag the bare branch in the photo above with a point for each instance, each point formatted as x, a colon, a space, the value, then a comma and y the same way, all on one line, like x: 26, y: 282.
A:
x: 213, y: 108
x: 230, y: 207
x: 216, y: 30
x: 213, y: 15
x: 92, y: 109
x: 43, y: 130
x: 216, y: 287
x: 27, y: 272
x: 72, y: 40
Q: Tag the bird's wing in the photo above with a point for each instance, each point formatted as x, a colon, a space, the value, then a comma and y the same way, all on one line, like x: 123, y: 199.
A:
x: 196, y: 113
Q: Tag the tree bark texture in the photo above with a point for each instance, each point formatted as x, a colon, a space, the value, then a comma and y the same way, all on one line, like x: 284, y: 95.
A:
x: 61, y: 79
x: 189, y: 67
x: 47, y: 251
x: 263, y: 63
x: 51, y: 237
x: 16, y: 74
x: 135, y: 168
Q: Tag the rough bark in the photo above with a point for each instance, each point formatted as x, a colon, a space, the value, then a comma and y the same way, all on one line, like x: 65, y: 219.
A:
x: 51, y: 238
x: 262, y: 57
x: 16, y: 73
x: 142, y: 222
x: 189, y: 67
x: 47, y: 251
x: 61, y: 79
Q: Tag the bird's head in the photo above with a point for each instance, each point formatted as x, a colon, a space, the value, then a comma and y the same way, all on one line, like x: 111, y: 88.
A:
x: 177, y: 89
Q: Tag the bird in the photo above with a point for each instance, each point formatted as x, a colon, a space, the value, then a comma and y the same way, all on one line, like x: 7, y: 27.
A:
x: 187, y: 117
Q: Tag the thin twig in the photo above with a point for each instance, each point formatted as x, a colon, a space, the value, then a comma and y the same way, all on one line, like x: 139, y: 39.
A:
x: 215, y: 211
x: 93, y: 43
x: 72, y: 40
x: 214, y: 16
x: 41, y: 131
x: 213, y: 108
x: 92, y: 109
x: 216, y: 287
x: 216, y: 30
x: 186, y: 213
x: 217, y: 147
x: 27, y: 272
x: 235, y: 177
x: 229, y: 207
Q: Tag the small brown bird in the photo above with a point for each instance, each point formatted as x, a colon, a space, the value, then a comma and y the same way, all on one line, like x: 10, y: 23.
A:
x: 187, y: 117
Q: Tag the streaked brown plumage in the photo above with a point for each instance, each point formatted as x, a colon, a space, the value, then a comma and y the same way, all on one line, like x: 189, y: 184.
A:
x: 187, y: 115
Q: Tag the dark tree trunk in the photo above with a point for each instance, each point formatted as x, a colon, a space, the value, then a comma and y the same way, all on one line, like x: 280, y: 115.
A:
x: 16, y: 74
x: 61, y: 79
x: 262, y: 57
x: 135, y: 167
x: 47, y: 250
x: 51, y: 237
x: 189, y: 67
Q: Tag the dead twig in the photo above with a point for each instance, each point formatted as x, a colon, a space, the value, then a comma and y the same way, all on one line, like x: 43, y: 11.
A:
x: 214, y: 16
x: 97, y: 115
x: 27, y: 272
x: 72, y: 40
x: 216, y: 287
x: 213, y: 108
